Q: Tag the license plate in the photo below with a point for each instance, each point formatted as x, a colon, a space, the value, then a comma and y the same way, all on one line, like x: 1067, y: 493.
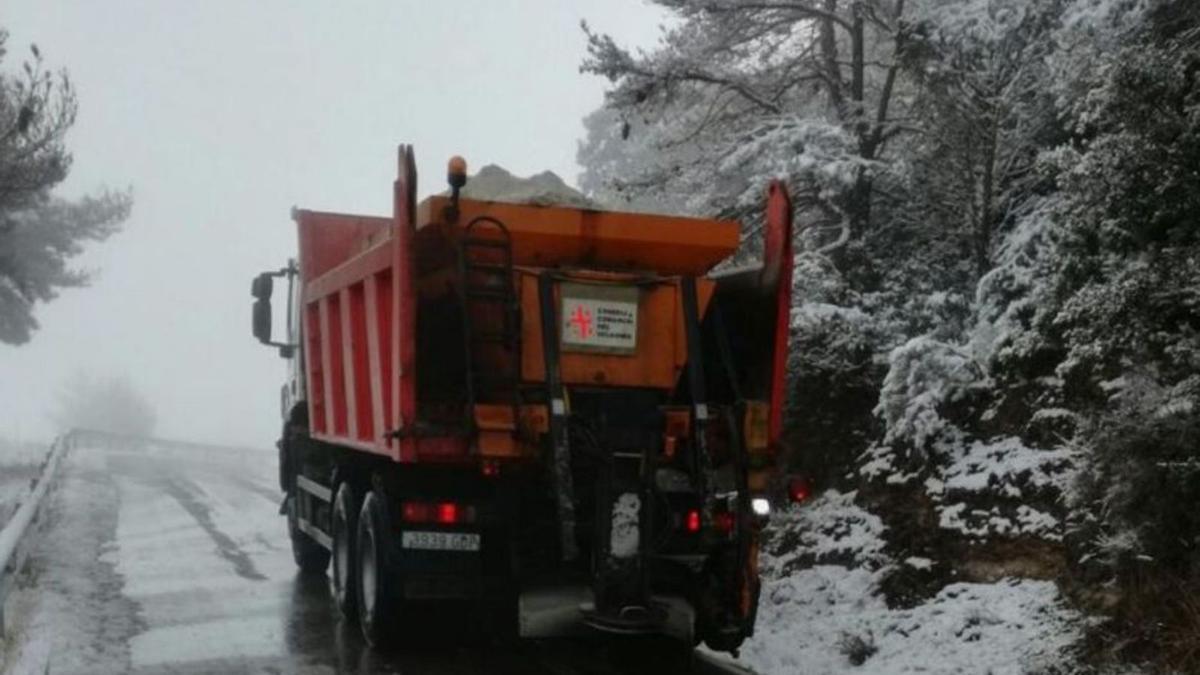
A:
x: 440, y: 541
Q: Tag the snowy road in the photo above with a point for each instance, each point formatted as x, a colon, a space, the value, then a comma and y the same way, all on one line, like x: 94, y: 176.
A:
x: 176, y: 561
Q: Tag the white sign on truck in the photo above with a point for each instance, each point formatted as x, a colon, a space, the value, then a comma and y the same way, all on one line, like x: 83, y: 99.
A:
x: 599, y: 318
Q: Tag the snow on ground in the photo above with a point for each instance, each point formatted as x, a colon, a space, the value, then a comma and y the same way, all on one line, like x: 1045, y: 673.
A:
x: 829, y: 529
x: 829, y: 617
x: 74, y: 615
x: 822, y: 619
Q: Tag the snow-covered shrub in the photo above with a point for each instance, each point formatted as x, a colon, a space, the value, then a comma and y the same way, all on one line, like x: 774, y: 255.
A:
x: 1010, y: 626
x: 923, y: 378
x: 834, y: 376
x: 1010, y: 297
x: 1129, y: 297
x: 1136, y: 503
x: 829, y: 530
x: 1004, y: 488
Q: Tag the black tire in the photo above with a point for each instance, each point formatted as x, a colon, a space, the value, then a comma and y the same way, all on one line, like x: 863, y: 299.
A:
x: 378, y: 603
x: 344, y: 576
x: 311, y: 557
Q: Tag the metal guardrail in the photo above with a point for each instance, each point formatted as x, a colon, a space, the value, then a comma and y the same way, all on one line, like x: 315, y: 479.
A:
x: 14, y: 548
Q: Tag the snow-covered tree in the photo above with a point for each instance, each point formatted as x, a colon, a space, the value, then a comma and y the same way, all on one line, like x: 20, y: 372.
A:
x: 739, y: 91
x: 984, y: 114
x: 39, y: 232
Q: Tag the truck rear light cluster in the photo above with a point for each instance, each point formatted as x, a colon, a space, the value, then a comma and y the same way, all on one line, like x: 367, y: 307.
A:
x: 441, y: 513
x: 799, y: 489
x: 724, y: 522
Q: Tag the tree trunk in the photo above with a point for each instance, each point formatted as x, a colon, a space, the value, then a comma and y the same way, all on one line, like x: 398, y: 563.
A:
x: 983, y: 229
x: 829, y: 53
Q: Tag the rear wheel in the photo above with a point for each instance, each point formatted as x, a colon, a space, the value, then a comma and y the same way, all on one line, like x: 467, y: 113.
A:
x: 345, y: 576
x: 377, y: 603
x: 311, y: 557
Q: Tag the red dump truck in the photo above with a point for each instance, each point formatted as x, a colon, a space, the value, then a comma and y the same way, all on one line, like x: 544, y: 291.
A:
x: 560, y: 416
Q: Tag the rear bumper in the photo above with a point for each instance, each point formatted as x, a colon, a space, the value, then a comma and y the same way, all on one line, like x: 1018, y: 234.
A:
x: 441, y: 587
x: 561, y: 610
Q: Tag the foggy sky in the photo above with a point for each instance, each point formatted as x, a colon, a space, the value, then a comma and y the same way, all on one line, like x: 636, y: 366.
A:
x: 222, y: 116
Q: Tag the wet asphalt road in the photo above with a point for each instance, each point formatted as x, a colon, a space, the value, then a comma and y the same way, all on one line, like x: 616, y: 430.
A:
x: 161, y: 561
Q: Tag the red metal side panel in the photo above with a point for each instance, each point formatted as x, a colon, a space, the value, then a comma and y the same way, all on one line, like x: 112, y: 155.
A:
x: 337, y: 368
x: 374, y: 358
x: 360, y: 314
x: 346, y: 356
x: 383, y: 309
x: 777, y: 271
x: 330, y: 239
x: 404, y: 304
x: 358, y: 380
x: 316, y: 371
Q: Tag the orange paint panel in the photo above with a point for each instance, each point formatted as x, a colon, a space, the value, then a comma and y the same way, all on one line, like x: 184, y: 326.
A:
x: 494, y: 417
x: 661, y: 343
x: 440, y: 448
x: 550, y: 236
x: 497, y: 444
x: 500, y: 437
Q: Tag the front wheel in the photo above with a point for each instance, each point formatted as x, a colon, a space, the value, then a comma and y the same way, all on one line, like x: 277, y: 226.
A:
x: 377, y: 602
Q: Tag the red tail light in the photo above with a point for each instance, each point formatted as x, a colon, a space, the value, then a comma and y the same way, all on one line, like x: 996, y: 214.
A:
x: 724, y: 522
x: 693, y: 521
x: 799, y: 489
x: 416, y: 512
x: 442, y: 513
x: 490, y: 468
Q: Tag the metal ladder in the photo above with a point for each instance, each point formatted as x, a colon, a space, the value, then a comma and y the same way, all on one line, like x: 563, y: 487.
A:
x: 486, y: 270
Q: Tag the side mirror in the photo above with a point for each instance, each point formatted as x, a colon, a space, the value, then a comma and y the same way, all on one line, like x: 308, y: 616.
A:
x: 262, y: 286
x: 261, y: 319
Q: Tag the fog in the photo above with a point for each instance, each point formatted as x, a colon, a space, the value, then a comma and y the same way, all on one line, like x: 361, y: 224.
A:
x: 221, y: 117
